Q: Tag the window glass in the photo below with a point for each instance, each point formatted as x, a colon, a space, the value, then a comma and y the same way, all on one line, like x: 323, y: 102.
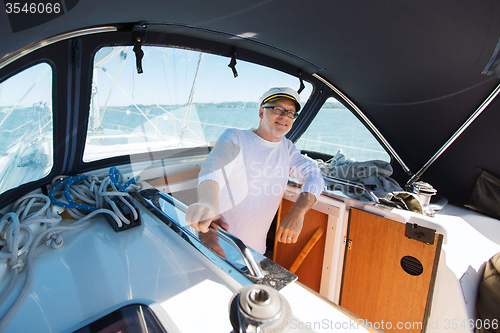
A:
x: 335, y: 129
x: 182, y: 99
x: 26, y: 149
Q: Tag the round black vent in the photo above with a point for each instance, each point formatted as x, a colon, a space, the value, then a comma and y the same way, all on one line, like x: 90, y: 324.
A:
x: 412, y: 265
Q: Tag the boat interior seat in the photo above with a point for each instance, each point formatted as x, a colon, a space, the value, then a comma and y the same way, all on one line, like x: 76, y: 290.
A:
x: 488, y: 299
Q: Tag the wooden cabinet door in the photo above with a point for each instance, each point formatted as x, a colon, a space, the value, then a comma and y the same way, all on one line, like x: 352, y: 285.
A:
x: 375, y: 287
x: 309, y: 272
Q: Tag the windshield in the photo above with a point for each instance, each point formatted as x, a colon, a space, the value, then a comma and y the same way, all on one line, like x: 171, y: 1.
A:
x: 337, y: 132
x: 182, y: 99
x: 26, y: 149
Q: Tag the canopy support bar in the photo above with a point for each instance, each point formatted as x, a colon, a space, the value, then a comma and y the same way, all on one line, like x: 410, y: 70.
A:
x: 448, y: 143
x: 367, y: 121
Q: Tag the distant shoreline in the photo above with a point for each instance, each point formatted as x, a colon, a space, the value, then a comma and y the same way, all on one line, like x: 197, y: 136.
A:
x: 226, y: 105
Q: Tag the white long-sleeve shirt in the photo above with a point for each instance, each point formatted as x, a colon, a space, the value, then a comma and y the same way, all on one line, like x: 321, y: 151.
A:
x: 252, y: 174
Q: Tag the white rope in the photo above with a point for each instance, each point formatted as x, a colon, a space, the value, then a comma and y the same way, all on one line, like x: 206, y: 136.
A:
x: 16, y: 233
x: 23, y: 207
x: 42, y: 238
x: 10, y: 238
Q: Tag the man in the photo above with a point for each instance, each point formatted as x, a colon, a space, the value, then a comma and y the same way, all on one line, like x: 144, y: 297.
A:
x: 242, y: 181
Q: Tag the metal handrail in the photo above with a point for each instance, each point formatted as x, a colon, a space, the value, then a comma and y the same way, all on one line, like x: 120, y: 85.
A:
x: 234, y: 241
x: 13, y: 56
x: 367, y: 121
x: 455, y: 136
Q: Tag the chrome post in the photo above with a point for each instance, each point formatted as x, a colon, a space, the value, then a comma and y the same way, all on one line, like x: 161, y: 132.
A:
x: 448, y: 143
x: 367, y: 121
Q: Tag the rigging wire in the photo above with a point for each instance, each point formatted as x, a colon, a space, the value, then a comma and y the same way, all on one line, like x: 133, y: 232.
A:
x: 116, y: 75
x: 189, y: 104
x: 14, y: 107
x: 115, y: 83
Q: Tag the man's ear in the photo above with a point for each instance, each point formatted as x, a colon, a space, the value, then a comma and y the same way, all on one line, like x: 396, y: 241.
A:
x: 261, y: 113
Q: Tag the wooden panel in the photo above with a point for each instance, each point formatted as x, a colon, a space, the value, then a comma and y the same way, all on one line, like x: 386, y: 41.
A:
x: 175, y: 177
x: 375, y: 287
x: 309, y: 272
x: 188, y: 196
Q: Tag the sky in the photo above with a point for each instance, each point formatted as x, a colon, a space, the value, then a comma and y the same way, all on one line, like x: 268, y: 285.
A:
x: 169, y: 75
x: 168, y: 79
x: 33, y: 85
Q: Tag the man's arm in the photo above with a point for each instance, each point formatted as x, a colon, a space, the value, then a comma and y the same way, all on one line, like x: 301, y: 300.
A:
x: 201, y: 214
x: 309, y: 175
x: 290, y: 228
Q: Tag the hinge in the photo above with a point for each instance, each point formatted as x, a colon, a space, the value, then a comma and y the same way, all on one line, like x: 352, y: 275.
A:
x: 349, y: 243
x: 422, y: 234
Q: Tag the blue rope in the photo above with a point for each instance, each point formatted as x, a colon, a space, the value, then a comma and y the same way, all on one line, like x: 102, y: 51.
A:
x: 114, y: 176
x: 133, y: 180
x: 71, y: 203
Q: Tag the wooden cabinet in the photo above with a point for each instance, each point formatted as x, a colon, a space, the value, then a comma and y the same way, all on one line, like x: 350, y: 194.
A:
x: 310, y: 271
x: 375, y: 286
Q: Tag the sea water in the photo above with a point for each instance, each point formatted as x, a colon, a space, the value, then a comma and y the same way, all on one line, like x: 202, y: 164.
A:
x: 332, y: 130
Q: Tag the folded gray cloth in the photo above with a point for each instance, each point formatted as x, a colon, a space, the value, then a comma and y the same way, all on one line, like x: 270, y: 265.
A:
x: 374, y: 175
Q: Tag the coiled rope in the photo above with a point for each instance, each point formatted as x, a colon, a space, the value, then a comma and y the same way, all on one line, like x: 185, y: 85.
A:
x: 79, y: 193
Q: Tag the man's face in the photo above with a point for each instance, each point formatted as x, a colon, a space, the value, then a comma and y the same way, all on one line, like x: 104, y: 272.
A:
x: 273, y: 127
